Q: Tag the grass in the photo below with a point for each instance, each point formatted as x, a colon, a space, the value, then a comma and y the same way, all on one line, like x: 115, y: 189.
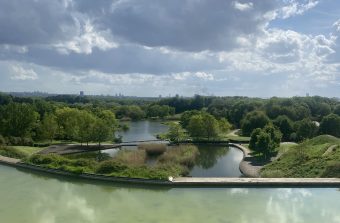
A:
x: 182, y: 155
x: 12, y: 152
x: 152, y: 149
x: 29, y: 150
x: 307, y: 159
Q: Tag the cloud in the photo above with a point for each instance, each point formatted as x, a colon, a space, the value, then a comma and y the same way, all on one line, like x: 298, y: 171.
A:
x: 295, y: 7
x: 184, y: 25
x: 243, y: 6
x: 20, y: 73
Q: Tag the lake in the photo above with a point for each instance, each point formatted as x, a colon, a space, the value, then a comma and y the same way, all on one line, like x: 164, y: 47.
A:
x: 35, y: 198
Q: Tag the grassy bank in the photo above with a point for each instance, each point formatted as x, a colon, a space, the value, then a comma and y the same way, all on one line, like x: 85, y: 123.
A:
x: 318, y: 157
x: 174, y: 162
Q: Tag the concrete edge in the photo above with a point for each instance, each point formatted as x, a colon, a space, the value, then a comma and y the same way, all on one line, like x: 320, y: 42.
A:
x: 191, y: 182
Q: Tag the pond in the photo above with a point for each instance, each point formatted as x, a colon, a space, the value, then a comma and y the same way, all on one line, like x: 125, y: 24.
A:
x: 34, y: 198
x: 142, y: 130
x: 217, y: 161
x: 213, y: 161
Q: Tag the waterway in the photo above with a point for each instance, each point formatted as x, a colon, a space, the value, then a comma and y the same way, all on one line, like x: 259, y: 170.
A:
x: 35, y: 198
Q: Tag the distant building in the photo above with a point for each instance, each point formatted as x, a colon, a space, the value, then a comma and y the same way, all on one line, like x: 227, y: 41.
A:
x: 81, y: 94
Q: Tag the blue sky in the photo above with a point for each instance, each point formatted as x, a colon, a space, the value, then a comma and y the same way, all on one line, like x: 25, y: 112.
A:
x: 147, y: 47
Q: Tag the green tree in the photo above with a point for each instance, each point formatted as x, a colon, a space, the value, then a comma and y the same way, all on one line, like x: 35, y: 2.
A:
x: 305, y: 129
x: 86, y: 124
x: 285, y: 125
x: 224, y: 125
x: 48, y: 127
x: 253, y: 120
x: 100, y: 131
x: 18, y: 119
x: 210, y: 126
x: 186, y: 116
x: 196, y: 127
x: 68, y: 122
x: 203, y: 125
x: 265, y: 140
x: 330, y: 125
x: 176, y: 133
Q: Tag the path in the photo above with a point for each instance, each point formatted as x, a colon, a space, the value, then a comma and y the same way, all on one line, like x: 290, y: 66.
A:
x: 76, y: 148
x: 9, y: 160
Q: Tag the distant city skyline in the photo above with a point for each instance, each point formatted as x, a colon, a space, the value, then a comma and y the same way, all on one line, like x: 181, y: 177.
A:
x: 149, y: 48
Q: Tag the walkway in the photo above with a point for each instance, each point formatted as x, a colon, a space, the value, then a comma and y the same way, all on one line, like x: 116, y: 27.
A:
x: 8, y: 160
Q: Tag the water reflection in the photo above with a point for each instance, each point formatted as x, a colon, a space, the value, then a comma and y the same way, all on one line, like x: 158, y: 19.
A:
x: 217, y: 161
x: 48, y: 200
x: 142, y: 130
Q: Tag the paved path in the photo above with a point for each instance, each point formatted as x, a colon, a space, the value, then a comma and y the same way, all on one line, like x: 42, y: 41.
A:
x: 8, y: 160
x: 296, y: 182
x: 249, y: 166
x: 77, y: 148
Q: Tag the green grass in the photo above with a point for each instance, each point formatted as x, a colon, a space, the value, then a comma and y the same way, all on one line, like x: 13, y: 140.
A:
x: 28, y: 150
x: 12, y: 152
x: 307, y: 159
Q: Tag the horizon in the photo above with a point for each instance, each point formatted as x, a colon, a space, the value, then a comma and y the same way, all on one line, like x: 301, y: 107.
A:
x: 242, y: 47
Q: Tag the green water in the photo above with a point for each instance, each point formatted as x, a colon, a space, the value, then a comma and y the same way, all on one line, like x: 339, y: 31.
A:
x: 27, y: 197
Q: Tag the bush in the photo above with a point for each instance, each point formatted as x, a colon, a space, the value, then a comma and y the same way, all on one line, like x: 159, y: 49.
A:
x: 2, y: 140
x: 12, y: 152
x: 40, y: 159
x: 110, y: 166
x: 182, y: 155
x: 332, y: 171
x: 18, y: 141
x: 153, y: 149
x: 128, y: 157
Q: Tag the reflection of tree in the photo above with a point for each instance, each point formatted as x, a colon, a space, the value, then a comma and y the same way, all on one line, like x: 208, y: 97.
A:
x: 209, y: 155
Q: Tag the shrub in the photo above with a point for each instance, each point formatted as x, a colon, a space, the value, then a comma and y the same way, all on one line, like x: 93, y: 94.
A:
x: 2, y: 140
x: 110, y: 166
x: 153, y: 149
x: 182, y: 155
x: 40, y: 159
x: 332, y: 171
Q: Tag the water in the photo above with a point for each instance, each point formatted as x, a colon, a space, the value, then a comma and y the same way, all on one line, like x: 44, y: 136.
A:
x: 33, y: 198
x: 143, y: 130
x: 213, y: 161
x: 217, y: 161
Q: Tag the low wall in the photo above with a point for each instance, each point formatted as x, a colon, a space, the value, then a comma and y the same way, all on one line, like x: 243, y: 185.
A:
x: 191, y: 181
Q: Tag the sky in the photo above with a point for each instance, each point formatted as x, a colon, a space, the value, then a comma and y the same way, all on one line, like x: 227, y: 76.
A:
x: 151, y: 47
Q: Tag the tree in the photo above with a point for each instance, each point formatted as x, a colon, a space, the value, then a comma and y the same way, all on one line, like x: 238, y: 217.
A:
x: 203, y: 125
x: 100, y: 131
x: 195, y: 126
x: 186, y: 116
x: 18, y: 119
x: 210, y: 126
x: 86, y: 124
x: 265, y: 140
x: 253, y: 120
x: 68, y: 122
x: 330, y: 125
x: 176, y: 133
x: 285, y: 125
x: 48, y: 127
x: 224, y: 125
x: 305, y: 129
x: 337, y: 110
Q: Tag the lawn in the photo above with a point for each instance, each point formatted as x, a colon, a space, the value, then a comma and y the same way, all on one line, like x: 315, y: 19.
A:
x: 318, y: 157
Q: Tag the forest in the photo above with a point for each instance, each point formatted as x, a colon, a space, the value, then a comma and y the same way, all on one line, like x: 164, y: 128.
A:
x: 32, y: 120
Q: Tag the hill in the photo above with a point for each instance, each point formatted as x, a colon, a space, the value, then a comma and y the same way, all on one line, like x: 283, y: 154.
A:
x: 317, y: 157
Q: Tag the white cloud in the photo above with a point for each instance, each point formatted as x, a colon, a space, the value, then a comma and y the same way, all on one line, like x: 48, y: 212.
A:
x: 243, y: 6
x: 87, y: 39
x: 20, y: 73
x: 295, y: 8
